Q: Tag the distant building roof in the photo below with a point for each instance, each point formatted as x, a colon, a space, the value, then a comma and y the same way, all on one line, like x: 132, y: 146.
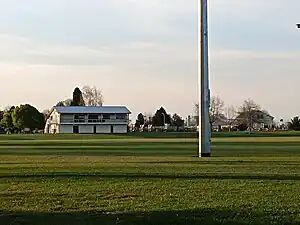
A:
x: 92, y: 109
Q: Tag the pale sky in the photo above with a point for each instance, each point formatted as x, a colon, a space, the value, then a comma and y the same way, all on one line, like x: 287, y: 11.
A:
x: 143, y: 53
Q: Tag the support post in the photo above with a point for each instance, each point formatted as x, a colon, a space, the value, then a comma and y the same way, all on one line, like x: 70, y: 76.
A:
x: 204, y: 92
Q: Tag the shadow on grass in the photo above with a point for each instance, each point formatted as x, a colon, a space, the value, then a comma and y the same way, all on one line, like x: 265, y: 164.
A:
x: 77, y: 144
x: 205, y: 217
x: 222, y: 162
x: 134, y: 176
x: 99, y: 136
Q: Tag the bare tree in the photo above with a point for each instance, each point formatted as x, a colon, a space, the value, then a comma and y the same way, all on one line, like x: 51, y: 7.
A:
x: 196, y: 111
x: 67, y: 102
x: 230, y: 114
x: 46, y: 113
x: 92, y: 96
x: 148, y: 117
x: 7, y: 108
x: 248, y: 112
x: 216, y: 109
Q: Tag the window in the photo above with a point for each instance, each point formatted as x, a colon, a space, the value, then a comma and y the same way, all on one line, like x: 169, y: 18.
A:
x: 93, y: 117
x: 121, y: 116
x: 79, y: 117
x: 106, y: 116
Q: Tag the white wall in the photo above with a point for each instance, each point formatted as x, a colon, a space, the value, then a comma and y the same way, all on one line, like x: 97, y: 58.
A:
x: 103, y: 129
x: 66, y: 129
x: 55, y: 117
x: 52, y: 128
x: 86, y: 129
x: 120, y: 129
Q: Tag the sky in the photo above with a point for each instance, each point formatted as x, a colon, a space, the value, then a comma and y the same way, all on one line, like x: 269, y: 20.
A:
x: 144, y: 53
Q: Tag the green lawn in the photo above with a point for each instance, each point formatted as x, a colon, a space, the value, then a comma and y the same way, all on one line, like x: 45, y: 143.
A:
x: 149, y: 179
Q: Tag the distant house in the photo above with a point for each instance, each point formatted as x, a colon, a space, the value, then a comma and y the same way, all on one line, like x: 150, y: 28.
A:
x: 88, y: 119
x: 220, y: 122
x: 259, y: 119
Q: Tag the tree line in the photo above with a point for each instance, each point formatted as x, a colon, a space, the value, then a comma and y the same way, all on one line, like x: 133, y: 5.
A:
x: 159, y: 119
x: 242, y: 117
x: 25, y: 116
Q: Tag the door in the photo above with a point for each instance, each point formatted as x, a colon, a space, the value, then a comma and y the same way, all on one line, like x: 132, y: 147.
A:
x: 95, y: 130
x: 111, y: 129
x: 75, y: 129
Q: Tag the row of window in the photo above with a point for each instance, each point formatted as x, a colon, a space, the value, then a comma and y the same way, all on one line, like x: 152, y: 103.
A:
x: 103, y: 116
x: 89, y: 121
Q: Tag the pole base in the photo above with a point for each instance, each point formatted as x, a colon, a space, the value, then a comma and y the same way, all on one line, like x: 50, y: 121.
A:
x: 205, y: 154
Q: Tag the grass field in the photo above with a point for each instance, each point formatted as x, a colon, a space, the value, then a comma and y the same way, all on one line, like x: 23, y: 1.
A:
x: 149, y: 179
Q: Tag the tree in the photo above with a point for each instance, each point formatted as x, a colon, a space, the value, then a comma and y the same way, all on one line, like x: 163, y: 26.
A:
x: 92, y: 96
x: 161, y: 118
x: 216, y: 109
x: 77, y: 98
x: 67, y: 102
x: 248, y: 113
x: 7, y: 121
x: 230, y: 114
x: 140, y: 121
x: 27, y: 116
x: 1, y: 114
x: 196, y: 111
x: 294, y: 124
x: 148, y: 119
x: 60, y: 103
x: 177, y: 121
x: 46, y: 113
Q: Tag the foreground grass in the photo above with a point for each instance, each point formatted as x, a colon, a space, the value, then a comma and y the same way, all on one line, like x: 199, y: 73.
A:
x: 107, y: 181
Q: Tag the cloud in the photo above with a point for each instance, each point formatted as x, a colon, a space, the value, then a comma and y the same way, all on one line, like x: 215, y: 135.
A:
x: 135, y: 51
x: 141, y: 71
x: 135, y: 54
x: 254, y: 25
x: 235, y: 54
x: 270, y: 78
x: 246, y: 9
x: 97, y: 23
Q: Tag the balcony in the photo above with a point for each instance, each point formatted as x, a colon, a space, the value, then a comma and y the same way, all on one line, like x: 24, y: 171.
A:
x: 99, y: 121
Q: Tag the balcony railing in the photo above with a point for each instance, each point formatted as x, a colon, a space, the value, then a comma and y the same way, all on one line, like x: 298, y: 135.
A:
x: 94, y: 121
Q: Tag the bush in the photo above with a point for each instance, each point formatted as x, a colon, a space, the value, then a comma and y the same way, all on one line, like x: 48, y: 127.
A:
x: 242, y: 127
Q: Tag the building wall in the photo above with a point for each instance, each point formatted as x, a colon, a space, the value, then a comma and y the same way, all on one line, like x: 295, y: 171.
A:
x: 86, y: 129
x: 53, y: 128
x: 103, y: 129
x: 55, y: 117
x: 66, y: 129
x: 120, y: 129
x: 63, y: 123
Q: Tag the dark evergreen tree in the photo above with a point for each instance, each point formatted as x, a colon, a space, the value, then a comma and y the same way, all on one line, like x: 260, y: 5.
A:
x: 77, y: 98
x: 161, y: 118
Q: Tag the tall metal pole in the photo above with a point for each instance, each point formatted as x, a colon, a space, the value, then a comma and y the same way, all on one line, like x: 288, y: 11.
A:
x: 204, y: 98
